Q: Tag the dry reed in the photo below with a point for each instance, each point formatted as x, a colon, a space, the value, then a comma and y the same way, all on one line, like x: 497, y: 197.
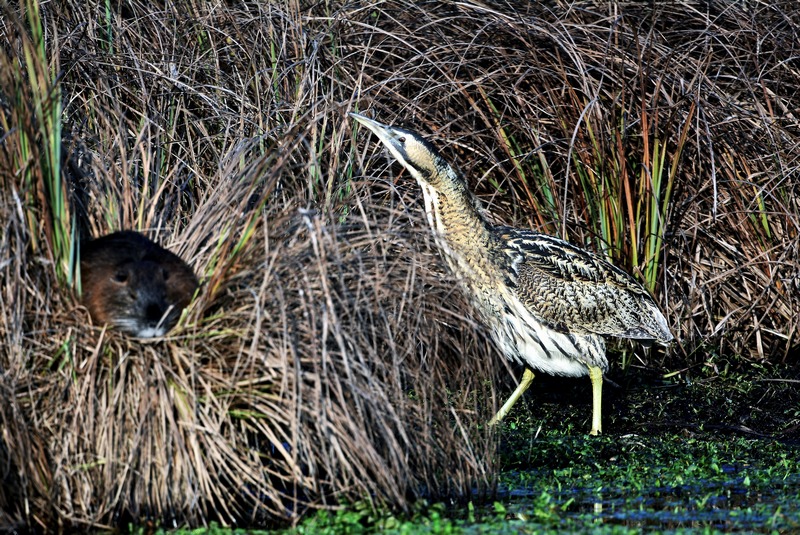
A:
x: 328, y: 355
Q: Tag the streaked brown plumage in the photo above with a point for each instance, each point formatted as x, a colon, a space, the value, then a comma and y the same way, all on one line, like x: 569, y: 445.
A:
x: 548, y: 304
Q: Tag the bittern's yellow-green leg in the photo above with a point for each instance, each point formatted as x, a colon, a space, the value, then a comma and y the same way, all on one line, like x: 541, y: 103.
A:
x: 596, y: 375
x: 527, y: 377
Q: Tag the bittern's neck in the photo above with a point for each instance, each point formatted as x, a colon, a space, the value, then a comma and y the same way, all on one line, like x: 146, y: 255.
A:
x: 453, y: 213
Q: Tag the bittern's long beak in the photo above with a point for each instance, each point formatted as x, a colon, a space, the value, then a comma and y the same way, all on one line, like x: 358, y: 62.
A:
x: 372, y: 124
x: 391, y: 137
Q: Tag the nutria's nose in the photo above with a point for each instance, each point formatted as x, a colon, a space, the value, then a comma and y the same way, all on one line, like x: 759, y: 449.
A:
x: 154, y: 312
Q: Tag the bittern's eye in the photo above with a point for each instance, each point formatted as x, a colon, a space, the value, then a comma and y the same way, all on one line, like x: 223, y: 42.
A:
x: 402, y: 139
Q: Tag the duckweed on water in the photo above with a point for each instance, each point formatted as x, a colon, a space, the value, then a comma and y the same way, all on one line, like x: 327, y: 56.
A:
x: 577, y: 484
x: 662, y: 483
x: 667, y: 484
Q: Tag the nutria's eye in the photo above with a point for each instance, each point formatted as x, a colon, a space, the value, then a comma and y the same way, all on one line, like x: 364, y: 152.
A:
x: 165, y: 274
x: 121, y: 277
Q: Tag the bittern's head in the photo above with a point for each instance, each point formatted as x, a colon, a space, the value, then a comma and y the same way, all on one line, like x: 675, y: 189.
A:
x: 416, y: 154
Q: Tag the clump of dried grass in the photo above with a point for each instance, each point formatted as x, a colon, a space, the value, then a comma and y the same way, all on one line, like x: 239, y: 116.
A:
x: 328, y: 354
x: 297, y: 387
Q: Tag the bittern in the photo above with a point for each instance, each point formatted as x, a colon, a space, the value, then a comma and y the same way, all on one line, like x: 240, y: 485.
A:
x: 548, y: 304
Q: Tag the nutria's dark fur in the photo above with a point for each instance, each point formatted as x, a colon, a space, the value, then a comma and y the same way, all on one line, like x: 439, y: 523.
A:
x: 134, y: 284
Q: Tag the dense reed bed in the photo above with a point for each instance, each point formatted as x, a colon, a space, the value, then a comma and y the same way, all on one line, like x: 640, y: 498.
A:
x: 328, y: 355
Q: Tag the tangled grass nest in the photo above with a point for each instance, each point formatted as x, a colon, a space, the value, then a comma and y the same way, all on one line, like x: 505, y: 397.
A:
x: 307, y: 371
x: 328, y: 355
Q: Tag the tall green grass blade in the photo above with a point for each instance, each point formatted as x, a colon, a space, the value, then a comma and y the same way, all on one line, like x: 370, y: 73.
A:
x: 46, y: 100
x: 543, y: 200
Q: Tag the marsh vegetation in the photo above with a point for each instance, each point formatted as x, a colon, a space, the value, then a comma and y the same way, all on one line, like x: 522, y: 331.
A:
x: 328, y: 357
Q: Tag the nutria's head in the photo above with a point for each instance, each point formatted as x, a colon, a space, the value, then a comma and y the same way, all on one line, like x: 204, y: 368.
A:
x: 132, y: 283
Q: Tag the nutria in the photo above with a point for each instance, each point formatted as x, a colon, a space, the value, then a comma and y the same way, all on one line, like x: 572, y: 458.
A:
x: 134, y: 284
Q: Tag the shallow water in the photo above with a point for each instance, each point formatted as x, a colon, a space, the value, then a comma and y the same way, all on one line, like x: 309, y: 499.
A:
x: 758, y: 493
x: 702, y: 504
